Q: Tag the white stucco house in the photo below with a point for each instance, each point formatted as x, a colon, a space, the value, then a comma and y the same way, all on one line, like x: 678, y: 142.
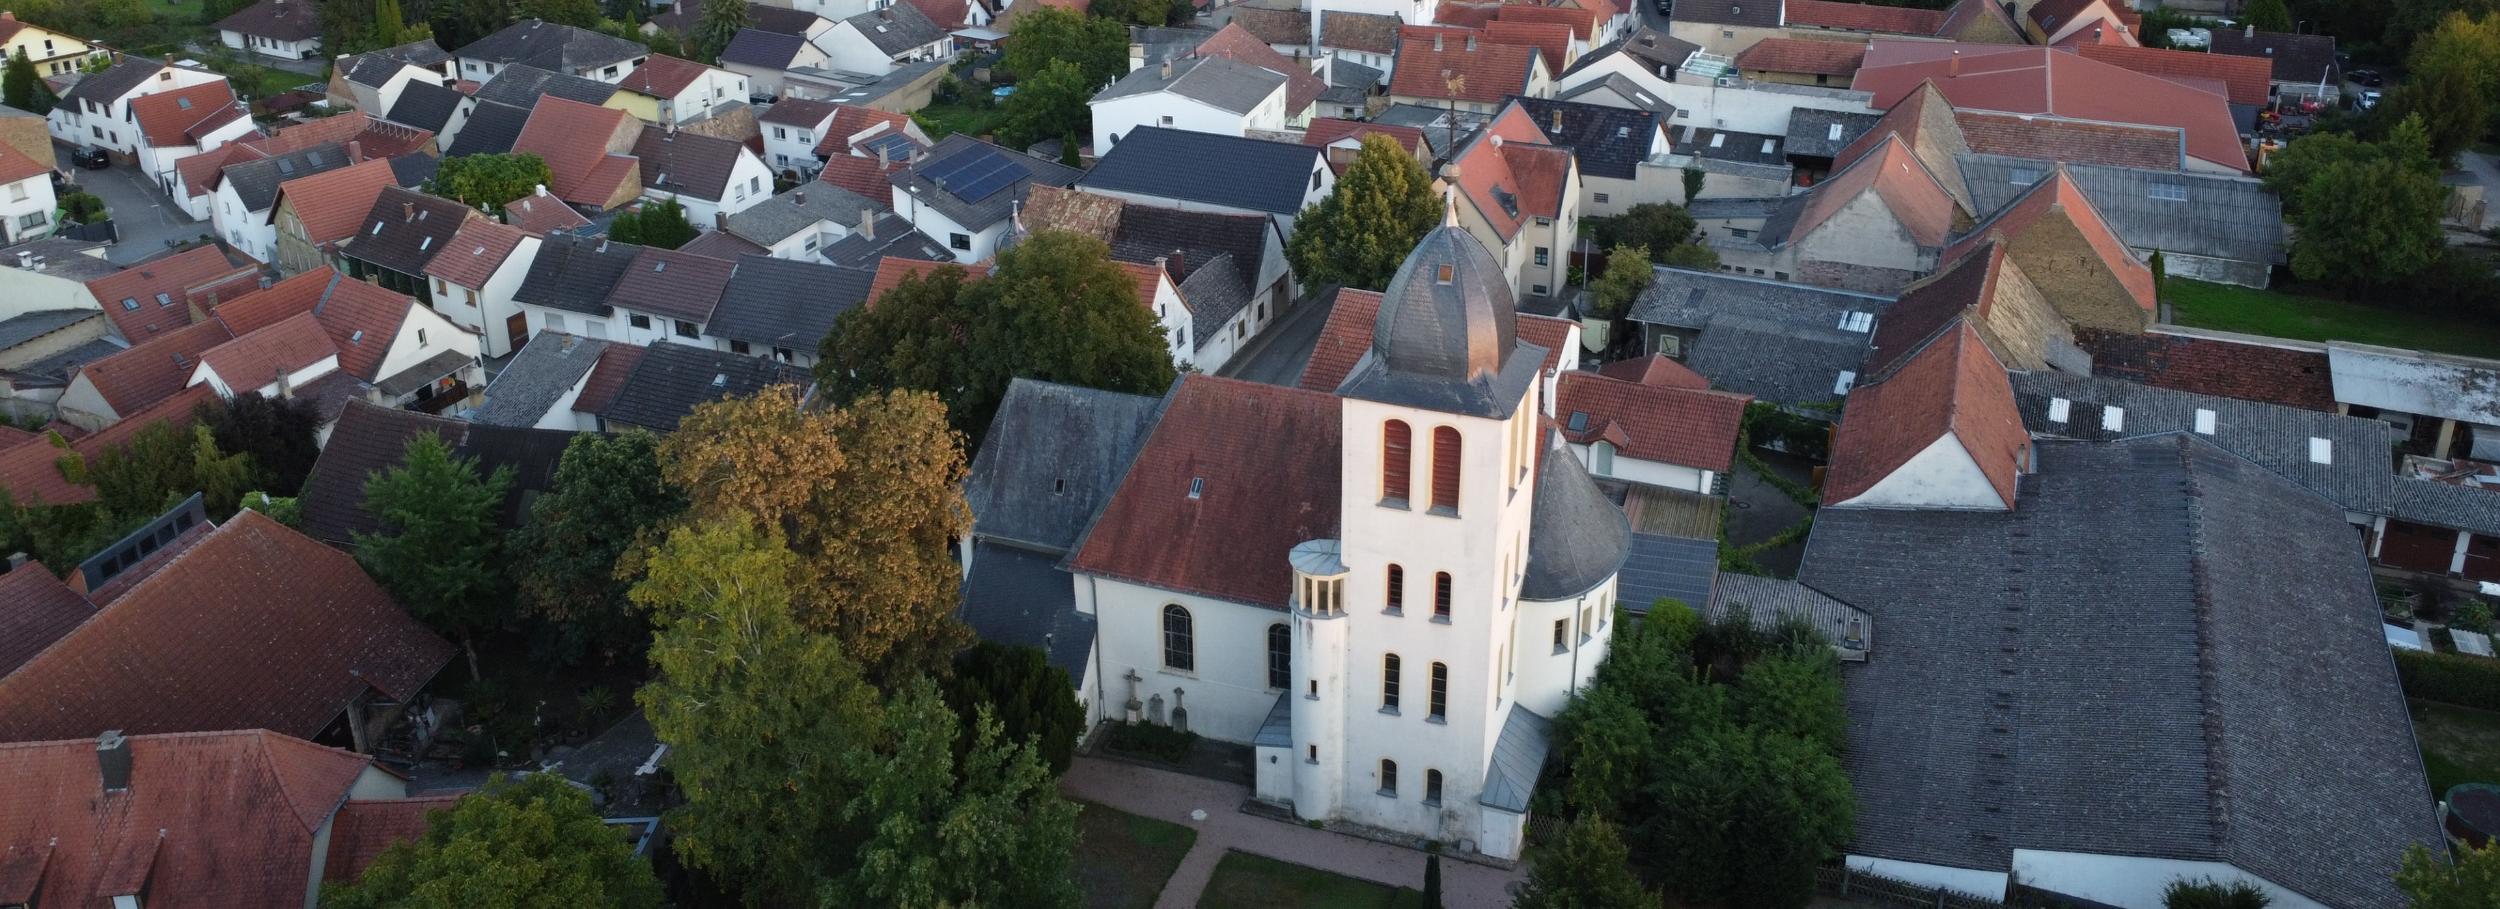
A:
x: 1199, y: 94
x: 472, y: 280
x: 96, y: 111
x: 285, y: 29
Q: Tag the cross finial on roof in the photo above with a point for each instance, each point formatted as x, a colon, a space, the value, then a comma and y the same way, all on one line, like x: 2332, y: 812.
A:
x: 1449, y: 205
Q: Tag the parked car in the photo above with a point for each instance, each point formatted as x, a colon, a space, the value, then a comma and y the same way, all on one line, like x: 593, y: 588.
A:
x: 91, y: 158
x: 2368, y: 100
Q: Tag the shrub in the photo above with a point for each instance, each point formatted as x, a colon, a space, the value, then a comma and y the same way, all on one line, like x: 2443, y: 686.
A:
x: 2472, y: 615
x: 1147, y: 740
x: 2207, y: 893
x: 2450, y: 678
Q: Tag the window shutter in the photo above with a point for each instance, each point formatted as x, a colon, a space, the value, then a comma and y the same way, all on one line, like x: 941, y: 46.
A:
x: 1445, y: 453
x: 1397, y: 453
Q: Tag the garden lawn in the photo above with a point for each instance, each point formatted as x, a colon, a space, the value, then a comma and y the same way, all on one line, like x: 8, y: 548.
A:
x: 1122, y: 859
x: 260, y: 82
x: 2459, y: 744
x: 1245, y: 881
x: 2276, y: 314
x: 942, y: 120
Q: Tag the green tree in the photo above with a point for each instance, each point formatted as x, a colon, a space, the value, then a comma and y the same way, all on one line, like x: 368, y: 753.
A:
x: 1627, y: 274
x: 1364, y: 229
x: 1744, y: 815
x: 765, y: 715
x: 1693, y: 178
x: 390, y: 26
x: 279, y: 434
x: 660, y: 224
x: 19, y: 85
x: 1432, y: 880
x: 576, y: 13
x: 719, y: 22
x: 1031, y: 699
x: 1048, y: 105
x: 1055, y: 308
x: 2267, y: 15
x: 608, y: 494
x: 1098, y: 47
x: 1607, y: 747
x: 988, y: 830
x: 2370, y: 224
x: 2473, y: 882
x: 2452, y: 83
x: 439, y: 550
x: 2161, y: 270
x: 2207, y: 893
x: 533, y: 841
x: 458, y: 22
x: 1691, y: 255
x: 1133, y: 12
x: 1587, y: 868
x: 1795, y: 691
x: 1655, y: 226
x: 488, y: 181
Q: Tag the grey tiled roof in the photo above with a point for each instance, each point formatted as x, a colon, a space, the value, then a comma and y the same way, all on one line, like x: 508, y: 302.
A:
x: 894, y: 237
x: 2223, y: 217
x: 1623, y: 86
x: 1607, y: 141
x: 1020, y: 597
x: 672, y: 378
x: 25, y: 327
x: 896, y: 29
x: 575, y: 273
x: 1051, y: 459
x: 687, y: 164
x: 425, y: 105
x: 1734, y: 208
x: 775, y: 219
x: 490, y: 130
x: 1755, y: 13
x: 1174, y: 164
x: 2438, y: 504
x: 1777, y: 341
x: 1218, y: 82
x: 521, y: 86
x: 404, y: 230
x: 1662, y: 567
x: 547, y: 45
x: 1767, y: 601
x: 1810, y: 130
x: 411, y: 170
x: 1214, y: 293
x: 1443, y: 129
x: 1747, y: 148
x: 375, y: 67
x: 2181, y: 659
x: 1518, y: 757
x: 547, y: 367
x: 786, y: 302
x: 757, y: 47
x: 991, y: 209
x: 1195, y: 239
x: 256, y: 182
x: 1576, y: 537
x: 1350, y: 83
x: 2274, y: 437
x: 119, y: 79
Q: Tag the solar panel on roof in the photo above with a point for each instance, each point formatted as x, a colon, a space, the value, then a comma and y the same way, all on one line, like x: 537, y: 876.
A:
x: 975, y: 173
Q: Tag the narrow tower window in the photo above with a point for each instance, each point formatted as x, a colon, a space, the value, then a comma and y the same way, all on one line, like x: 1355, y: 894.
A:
x: 1440, y: 692
x: 1441, y: 596
x: 1388, y: 778
x: 1445, y: 452
x: 1279, y: 656
x: 1397, y: 589
x: 1396, y: 453
x: 1180, y: 649
x: 1389, y: 683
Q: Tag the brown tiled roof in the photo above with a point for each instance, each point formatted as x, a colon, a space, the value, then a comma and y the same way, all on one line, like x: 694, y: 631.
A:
x: 1509, y: 156
x: 1486, y: 74
x: 892, y: 270
x: 1654, y: 370
x: 218, y: 820
x: 1264, y: 463
x: 180, y: 117
x: 1349, y: 333
x: 1060, y: 208
x: 2293, y: 58
x: 1235, y: 43
x: 17, y: 165
x: 862, y: 176
x: 1276, y: 26
x: 1149, y: 280
x: 475, y: 252
x: 331, y: 203
x: 269, y: 354
x: 405, y: 229
x: 1465, y: 14
x: 1798, y: 55
x: 662, y: 76
x: 362, y: 320
x: 805, y: 112
x: 2274, y: 373
x: 151, y: 370
x: 1890, y: 171
x: 539, y: 216
x: 199, y: 172
x: 2058, y: 196
x: 1552, y: 40
x: 1663, y: 423
x: 340, y: 129
x: 851, y: 120
x: 672, y: 284
x: 616, y: 362
x: 1965, y: 286
x: 254, y: 311
x: 363, y: 828
x: 1865, y: 17
x: 281, y: 20
x: 2058, y: 83
x: 1953, y: 386
x: 1582, y: 20
x: 2245, y: 79
x: 573, y: 139
x: 155, y: 296
x: 947, y: 14
x: 41, y: 610
x: 32, y: 473
x: 256, y: 627
x: 2072, y: 141
x: 1371, y: 33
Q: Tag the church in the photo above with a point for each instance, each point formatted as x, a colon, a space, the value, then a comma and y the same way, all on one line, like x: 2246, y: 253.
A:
x: 1387, y: 591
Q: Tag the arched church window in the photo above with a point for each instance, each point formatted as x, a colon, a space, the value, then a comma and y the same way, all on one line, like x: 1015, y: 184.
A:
x: 1180, y: 647
x: 1445, y: 453
x: 1397, y: 453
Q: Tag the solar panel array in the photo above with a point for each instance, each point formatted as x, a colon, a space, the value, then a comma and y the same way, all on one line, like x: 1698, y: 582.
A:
x: 974, y: 174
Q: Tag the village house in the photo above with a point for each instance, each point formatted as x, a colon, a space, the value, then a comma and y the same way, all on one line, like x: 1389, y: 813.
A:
x: 763, y: 56
x: 502, y: 107
x: 1651, y: 421
x: 26, y: 197
x: 800, y: 223
x: 286, y: 29
x: 1229, y: 271
x: 171, y: 290
x: 877, y: 41
x: 400, y: 234
x: 667, y: 90
x: 666, y: 380
x: 1341, y: 139
x: 1464, y: 69
x: 242, y: 196
x: 371, y: 81
x: 1168, y: 167
x: 1520, y: 196
x: 589, y: 152
x: 98, y: 110
x: 53, y: 53
x: 2305, y: 67
x: 371, y: 439
x: 312, y: 214
x: 324, y: 337
x: 1793, y: 345
x: 1201, y: 94
x: 539, y: 386
x: 964, y: 192
x: 471, y: 282
x: 782, y: 309
x: 710, y: 176
x: 1622, y: 154
x: 556, y: 48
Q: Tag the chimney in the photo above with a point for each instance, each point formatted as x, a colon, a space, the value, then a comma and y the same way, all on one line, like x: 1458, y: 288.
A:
x: 2096, y: 33
x: 798, y: 197
x: 1436, y: 41
x: 112, y: 757
x: 2252, y: 30
x: 407, y: 212
x: 603, y: 244
x: 669, y: 131
x: 355, y: 151
x: 1167, y: 69
x: 17, y: 560
x: 1450, y: 172
x: 1178, y: 263
x: 1162, y: 264
x: 1954, y: 68
x: 6, y: 16
x: 868, y: 223
x: 1558, y: 127
x: 720, y: 220
x: 885, y: 158
x: 26, y: 260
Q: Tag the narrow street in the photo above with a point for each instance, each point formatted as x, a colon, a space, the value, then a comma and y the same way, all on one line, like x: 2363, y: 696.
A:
x: 146, y: 221
x: 1277, y: 355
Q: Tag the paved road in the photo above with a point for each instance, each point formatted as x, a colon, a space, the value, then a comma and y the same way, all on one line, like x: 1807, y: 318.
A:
x: 1168, y: 796
x: 140, y: 211
x: 1276, y: 356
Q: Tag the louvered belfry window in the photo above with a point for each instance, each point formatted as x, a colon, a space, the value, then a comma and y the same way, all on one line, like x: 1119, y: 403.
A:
x: 1397, y: 453
x: 1445, y: 453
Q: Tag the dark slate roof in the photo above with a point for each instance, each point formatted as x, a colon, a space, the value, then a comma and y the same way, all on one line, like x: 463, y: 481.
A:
x: 1608, y: 141
x: 687, y: 164
x: 521, y: 86
x: 1447, y: 345
x: 490, y: 130
x: 56, y: 370
x: 1577, y: 539
x: 2135, y: 689
x: 786, y: 302
x: 1518, y: 758
x: 1444, y: 130
x: 1022, y: 598
x: 412, y: 170
x: 256, y: 182
x: 404, y: 230
x: 1215, y: 292
x: 2272, y: 436
x: 425, y: 105
x: 547, y: 45
x: 1051, y: 459
x: 764, y: 16
x: 897, y: 29
x: 893, y: 237
x: 1779, y: 342
x: 774, y: 220
x: 1730, y: 145
x: 370, y: 437
x: 1768, y: 601
x: 1350, y: 82
x: 2422, y: 501
x: 375, y: 67
x: 952, y: 152
x: 551, y: 364
x: 575, y: 273
x: 2297, y: 58
x: 1188, y: 240
x: 275, y: 19
x: 1659, y: 567
x: 2222, y: 217
x: 672, y: 378
x: 1173, y: 164
x: 1810, y: 130
x: 757, y: 47
x: 1755, y: 13
x: 1219, y: 82
x: 118, y: 80
x: 28, y: 326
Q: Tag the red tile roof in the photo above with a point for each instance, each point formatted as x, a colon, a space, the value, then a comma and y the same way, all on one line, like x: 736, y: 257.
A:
x: 1510, y: 154
x: 1465, y: 15
x: 200, y: 172
x: 1349, y: 333
x: 2245, y: 79
x: 851, y: 120
x: 1914, y: 196
x: 2072, y: 141
x: 2039, y: 80
x: 32, y: 473
x: 1150, y: 280
x: 152, y: 370
x: 218, y: 820
x: 41, y: 610
x: 1798, y: 55
x: 256, y: 627
x: 180, y: 117
x: 270, y: 354
x: 573, y: 139
x: 331, y: 203
x: 862, y: 176
x: 155, y: 296
x: 340, y: 129
x: 1237, y: 44
x: 360, y: 319
x: 1582, y: 20
x: 662, y: 76
x: 2253, y: 369
x: 891, y: 271
x: 1654, y: 370
x: 1485, y: 74
x: 667, y: 282
x: 255, y: 311
x: 2058, y: 197
x: 475, y: 251
x: 1551, y: 39
x: 1965, y: 286
x: 948, y: 14
x: 16, y: 165
x: 363, y: 828
x: 539, y: 216
x: 616, y: 361
x: 1864, y: 17
x: 1264, y: 461
x: 1953, y: 387
x: 1664, y: 423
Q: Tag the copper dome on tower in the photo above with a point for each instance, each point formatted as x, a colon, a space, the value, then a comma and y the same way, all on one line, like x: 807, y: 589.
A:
x: 1447, y: 336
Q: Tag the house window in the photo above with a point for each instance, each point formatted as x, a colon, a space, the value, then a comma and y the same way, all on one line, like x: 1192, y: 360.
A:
x: 1315, y: 180
x: 755, y: 184
x: 1180, y: 649
x: 1562, y: 635
x: 1601, y: 200
x: 738, y: 347
x: 1445, y: 452
x: 1544, y: 257
x: 1432, y: 787
x: 2169, y: 192
x: 1279, y: 657
x: 1314, y: 751
x: 555, y: 321
x: 438, y: 287
x: 471, y: 296
x: 959, y: 241
x: 1739, y: 233
x: 1396, y: 456
x: 1439, y: 709
x: 1537, y: 289
x: 2205, y: 421
x: 17, y: 192
x: 1397, y: 590
x: 784, y: 354
x: 1389, y: 683
x: 609, y: 73
x: 420, y: 337
x: 687, y: 329
x: 780, y: 133
x: 1388, y: 778
x: 638, y: 321
x: 1166, y: 121
x: 1441, y: 596
x: 33, y: 219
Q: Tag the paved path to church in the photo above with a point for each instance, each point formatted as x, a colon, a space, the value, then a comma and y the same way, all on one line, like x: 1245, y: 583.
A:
x: 1164, y: 795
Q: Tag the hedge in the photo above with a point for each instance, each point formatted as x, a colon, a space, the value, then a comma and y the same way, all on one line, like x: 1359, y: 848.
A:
x: 2450, y: 678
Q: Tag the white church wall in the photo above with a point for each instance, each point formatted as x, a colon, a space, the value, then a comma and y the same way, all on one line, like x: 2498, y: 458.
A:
x: 1226, y: 693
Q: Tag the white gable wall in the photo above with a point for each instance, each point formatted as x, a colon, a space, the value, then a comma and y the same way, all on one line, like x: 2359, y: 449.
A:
x: 1115, y: 117
x: 1944, y: 475
x: 424, y: 333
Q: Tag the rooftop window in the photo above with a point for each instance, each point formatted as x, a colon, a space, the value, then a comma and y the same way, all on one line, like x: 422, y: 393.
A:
x: 2204, y: 421
x: 2058, y: 408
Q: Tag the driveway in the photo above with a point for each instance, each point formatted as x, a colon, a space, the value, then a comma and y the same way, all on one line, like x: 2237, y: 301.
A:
x: 1277, y: 355
x: 140, y: 212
